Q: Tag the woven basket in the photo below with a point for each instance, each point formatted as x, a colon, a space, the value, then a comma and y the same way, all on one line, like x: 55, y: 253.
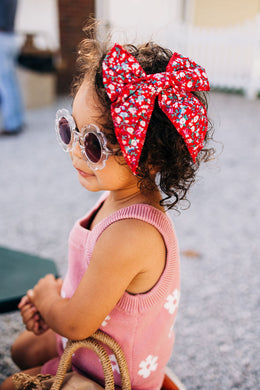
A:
x: 92, y: 343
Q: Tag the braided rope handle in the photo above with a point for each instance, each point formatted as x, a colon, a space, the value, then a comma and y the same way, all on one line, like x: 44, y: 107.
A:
x: 120, y: 357
x: 65, y: 362
x: 93, y: 344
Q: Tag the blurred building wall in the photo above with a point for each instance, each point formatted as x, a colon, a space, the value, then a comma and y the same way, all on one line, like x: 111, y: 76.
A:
x: 138, y: 20
x: 39, y: 17
x: 212, y: 32
x: 220, y: 13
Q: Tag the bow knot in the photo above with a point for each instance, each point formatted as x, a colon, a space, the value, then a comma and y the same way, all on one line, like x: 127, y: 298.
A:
x: 133, y: 92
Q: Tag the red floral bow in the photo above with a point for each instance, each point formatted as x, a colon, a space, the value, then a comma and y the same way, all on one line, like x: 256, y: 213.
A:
x: 132, y: 93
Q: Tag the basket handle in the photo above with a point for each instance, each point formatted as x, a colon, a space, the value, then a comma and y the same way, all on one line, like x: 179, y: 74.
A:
x: 119, y: 354
x: 93, y: 344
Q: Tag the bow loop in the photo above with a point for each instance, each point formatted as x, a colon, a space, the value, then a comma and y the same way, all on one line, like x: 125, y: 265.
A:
x: 186, y: 74
x: 120, y: 69
x: 132, y: 93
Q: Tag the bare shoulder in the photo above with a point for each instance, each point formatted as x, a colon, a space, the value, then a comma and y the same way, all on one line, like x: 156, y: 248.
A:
x: 132, y: 234
x: 136, y: 247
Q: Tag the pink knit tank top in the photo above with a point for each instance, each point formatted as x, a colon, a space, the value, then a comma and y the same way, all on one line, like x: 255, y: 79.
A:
x: 142, y: 324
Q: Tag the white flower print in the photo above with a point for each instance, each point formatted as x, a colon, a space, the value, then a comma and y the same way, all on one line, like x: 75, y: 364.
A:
x: 114, y: 364
x: 140, y: 99
x: 130, y: 130
x: 148, y: 365
x: 189, y: 85
x: 172, y: 301
x: 132, y: 110
x: 104, y: 323
x: 64, y: 342
x: 124, y: 66
x: 134, y: 142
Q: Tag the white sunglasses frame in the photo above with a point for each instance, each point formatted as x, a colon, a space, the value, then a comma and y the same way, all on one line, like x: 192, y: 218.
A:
x: 77, y: 135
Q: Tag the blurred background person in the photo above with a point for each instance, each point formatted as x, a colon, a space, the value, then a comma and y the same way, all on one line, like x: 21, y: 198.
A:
x: 10, y: 97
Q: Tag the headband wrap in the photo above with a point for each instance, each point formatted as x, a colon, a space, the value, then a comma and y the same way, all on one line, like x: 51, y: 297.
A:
x: 132, y: 93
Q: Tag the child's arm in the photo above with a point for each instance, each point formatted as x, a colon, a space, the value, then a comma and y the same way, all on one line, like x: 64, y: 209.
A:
x: 122, y: 254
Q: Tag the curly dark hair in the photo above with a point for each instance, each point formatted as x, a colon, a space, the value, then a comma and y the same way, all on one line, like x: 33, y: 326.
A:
x: 164, y: 149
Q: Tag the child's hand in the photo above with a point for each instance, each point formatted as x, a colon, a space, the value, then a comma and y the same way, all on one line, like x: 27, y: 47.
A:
x: 44, y: 291
x: 31, y: 317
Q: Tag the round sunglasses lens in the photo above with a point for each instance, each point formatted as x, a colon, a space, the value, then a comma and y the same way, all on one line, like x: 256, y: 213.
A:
x: 64, y: 130
x: 92, y: 147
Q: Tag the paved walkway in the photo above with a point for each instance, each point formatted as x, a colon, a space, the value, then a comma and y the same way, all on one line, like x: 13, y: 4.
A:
x: 218, y: 326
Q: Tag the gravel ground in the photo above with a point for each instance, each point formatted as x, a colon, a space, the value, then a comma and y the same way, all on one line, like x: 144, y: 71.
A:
x: 217, y: 330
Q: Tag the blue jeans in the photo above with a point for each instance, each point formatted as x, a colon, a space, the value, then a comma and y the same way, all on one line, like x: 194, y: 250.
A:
x: 10, y: 97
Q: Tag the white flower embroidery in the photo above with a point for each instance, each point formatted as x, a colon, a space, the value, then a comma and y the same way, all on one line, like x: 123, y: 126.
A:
x: 140, y: 99
x: 132, y: 110
x: 133, y: 142
x: 172, y: 301
x: 104, y: 323
x: 114, y: 364
x: 64, y: 341
x: 147, y: 366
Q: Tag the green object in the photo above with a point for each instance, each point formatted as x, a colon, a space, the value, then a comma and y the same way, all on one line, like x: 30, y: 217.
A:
x: 19, y: 272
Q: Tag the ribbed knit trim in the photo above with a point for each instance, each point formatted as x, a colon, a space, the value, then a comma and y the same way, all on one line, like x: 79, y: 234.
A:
x: 158, y: 219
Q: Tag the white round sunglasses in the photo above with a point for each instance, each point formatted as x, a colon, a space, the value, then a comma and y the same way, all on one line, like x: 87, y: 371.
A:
x: 92, y: 140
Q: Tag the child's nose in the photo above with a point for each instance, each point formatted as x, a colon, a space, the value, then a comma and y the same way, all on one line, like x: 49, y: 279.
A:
x: 76, y: 151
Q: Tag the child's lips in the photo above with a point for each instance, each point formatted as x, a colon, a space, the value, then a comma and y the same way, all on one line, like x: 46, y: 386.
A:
x: 82, y: 173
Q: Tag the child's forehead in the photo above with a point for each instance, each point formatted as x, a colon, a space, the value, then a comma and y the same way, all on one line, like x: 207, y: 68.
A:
x: 86, y: 107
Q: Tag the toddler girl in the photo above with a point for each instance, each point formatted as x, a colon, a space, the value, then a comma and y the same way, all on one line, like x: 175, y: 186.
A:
x: 137, y: 131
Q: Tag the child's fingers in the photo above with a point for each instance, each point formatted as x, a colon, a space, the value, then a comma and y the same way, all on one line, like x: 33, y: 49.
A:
x: 28, y: 313
x: 43, y: 324
x: 30, y: 325
x: 23, y: 301
x: 40, y: 327
x: 30, y: 294
x: 36, y: 327
x: 28, y: 307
